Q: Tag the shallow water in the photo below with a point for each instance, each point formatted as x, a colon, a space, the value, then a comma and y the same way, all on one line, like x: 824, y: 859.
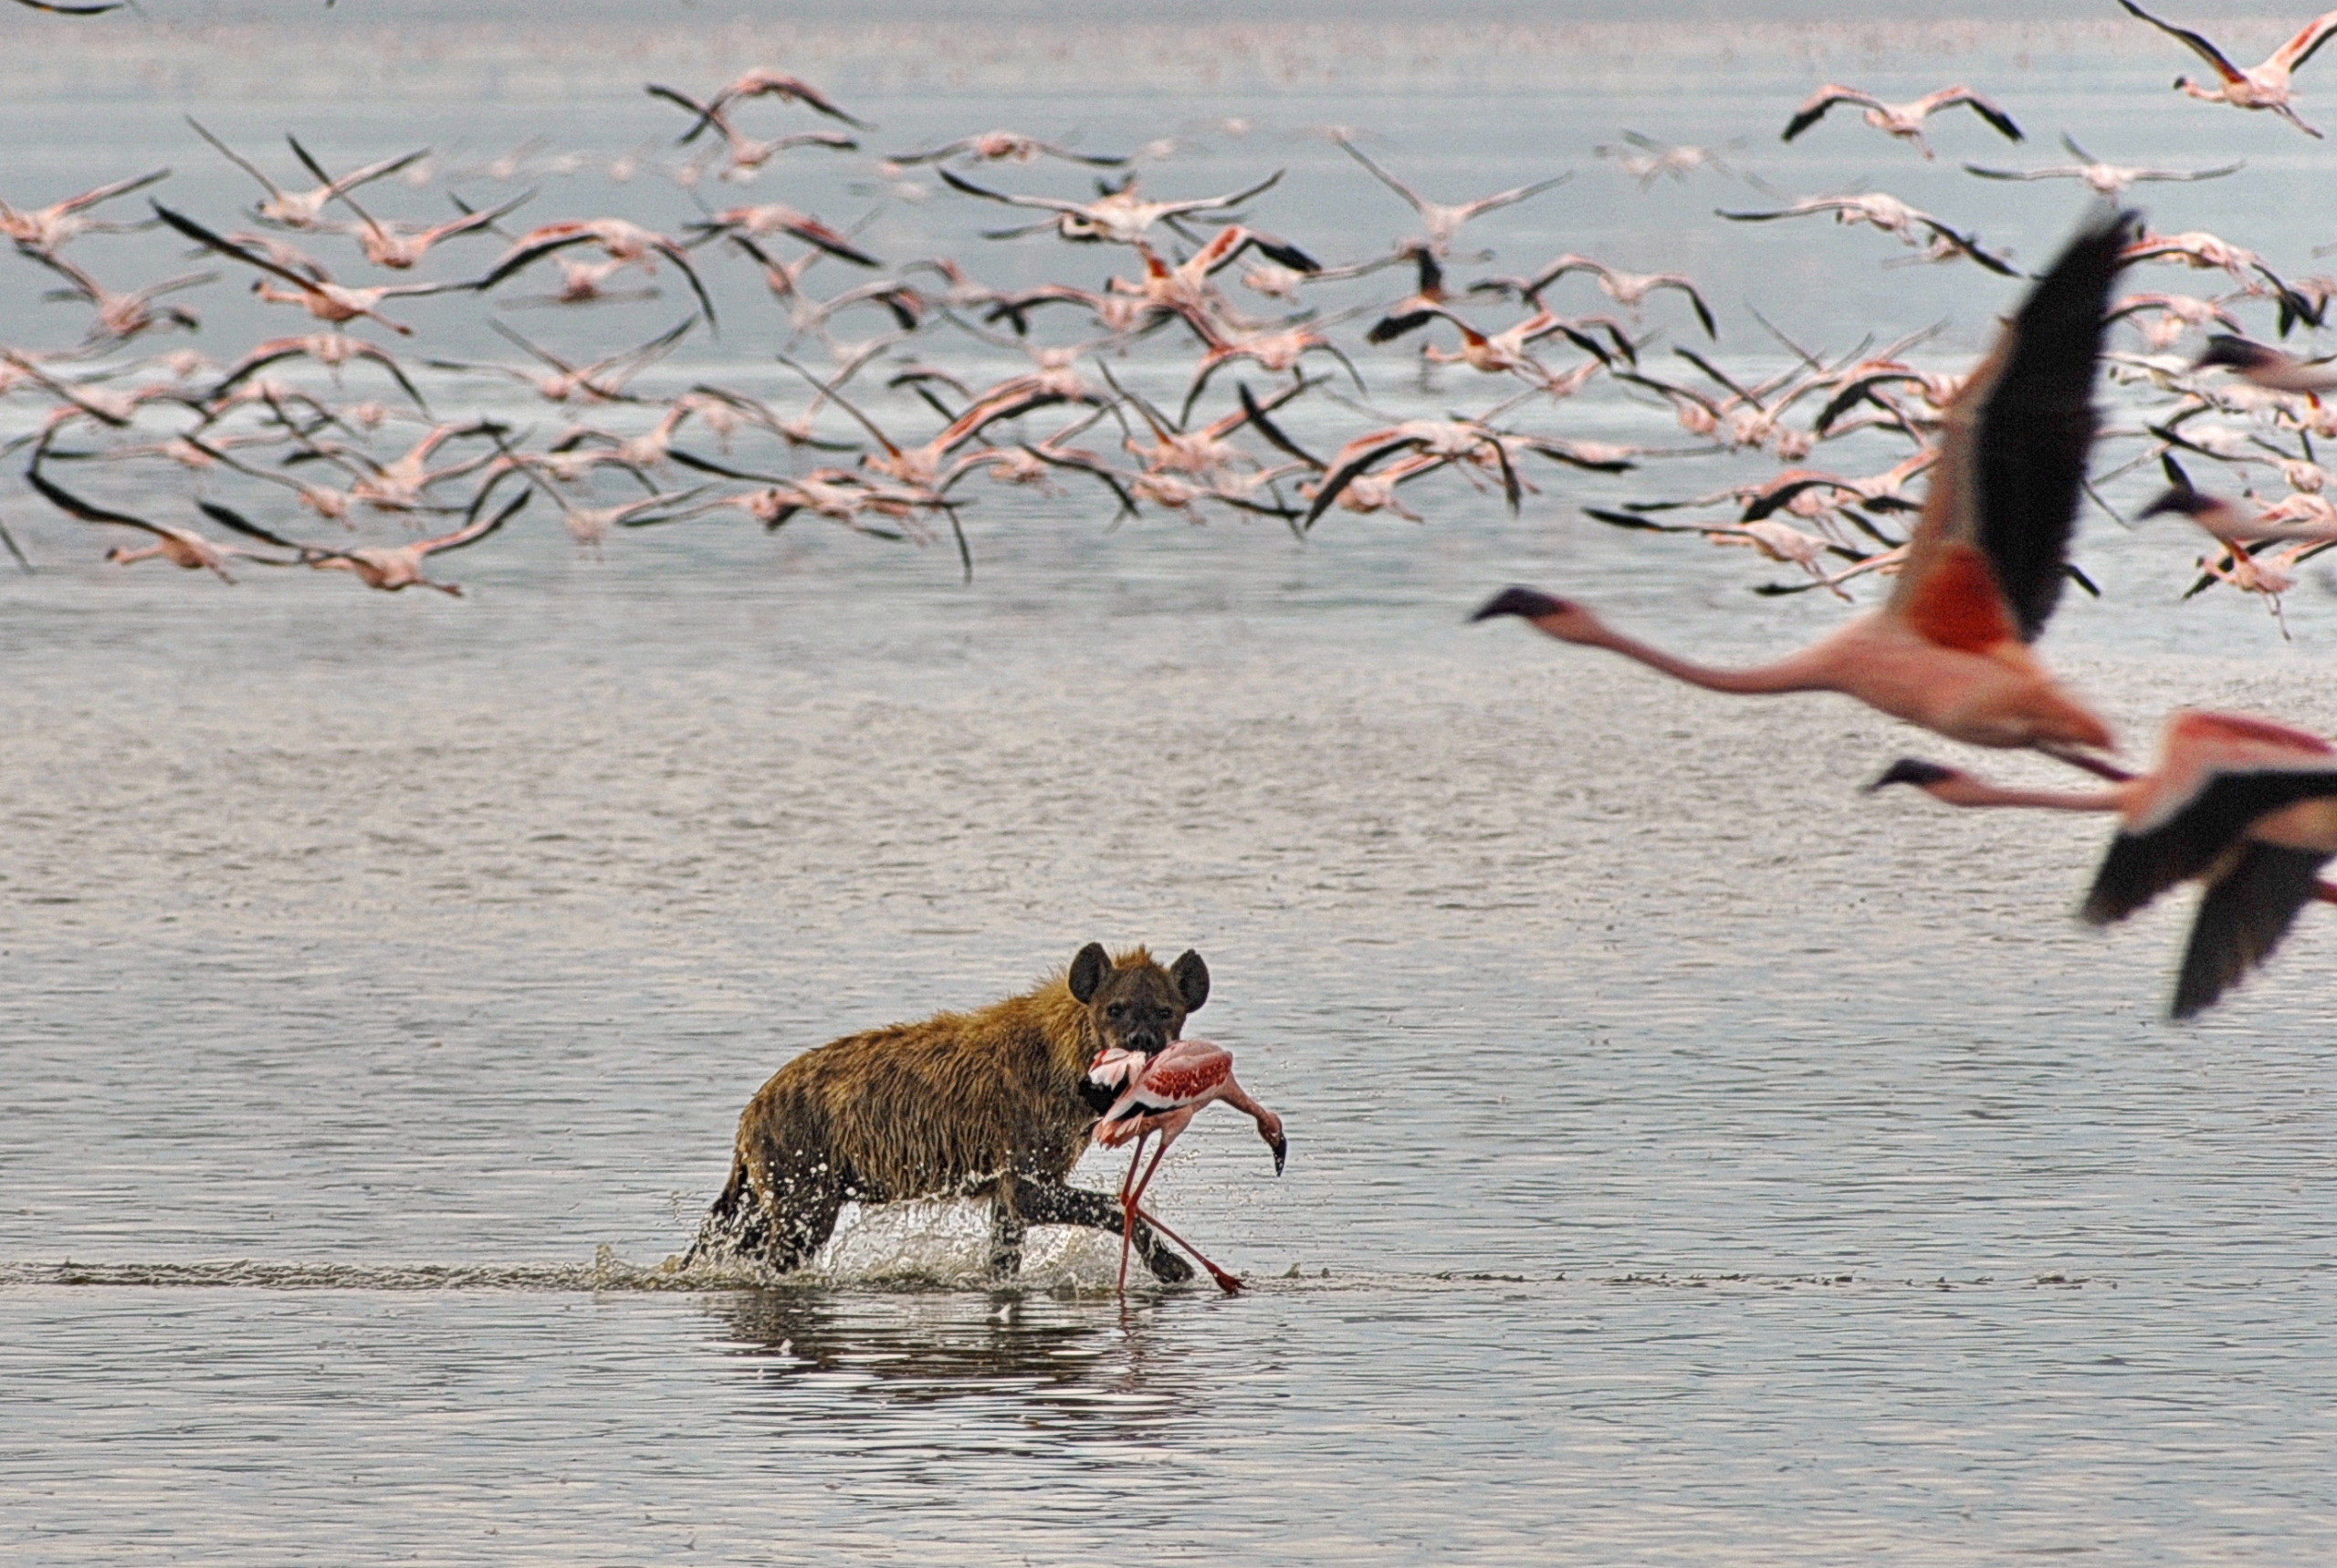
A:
x: 1693, y: 1160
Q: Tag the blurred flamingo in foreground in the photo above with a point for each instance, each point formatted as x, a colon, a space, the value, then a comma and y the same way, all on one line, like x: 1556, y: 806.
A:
x: 2243, y: 806
x: 1949, y: 651
x: 1162, y: 1093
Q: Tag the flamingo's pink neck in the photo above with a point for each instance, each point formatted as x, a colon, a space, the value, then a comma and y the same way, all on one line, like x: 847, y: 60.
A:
x: 1789, y: 674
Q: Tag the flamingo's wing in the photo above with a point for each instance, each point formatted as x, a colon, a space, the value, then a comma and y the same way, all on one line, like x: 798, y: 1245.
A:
x: 1995, y: 117
x: 2242, y: 919
x: 1347, y: 472
x: 1231, y: 199
x: 705, y: 114
x: 1824, y: 98
x: 1968, y: 244
x: 2191, y: 40
x: 1801, y: 209
x: 931, y: 155
x: 1987, y: 173
x: 107, y: 193
x: 2309, y: 38
x: 1256, y: 416
x: 73, y: 505
x: 1385, y: 178
x: 227, y: 517
x: 471, y: 533
x: 237, y: 159
x: 1516, y: 194
x: 1558, y: 451
x: 1696, y: 301
x: 2200, y: 831
x: 803, y: 92
x: 526, y: 252
x: 819, y: 236
x: 1044, y: 203
x: 2004, y: 494
x: 225, y: 247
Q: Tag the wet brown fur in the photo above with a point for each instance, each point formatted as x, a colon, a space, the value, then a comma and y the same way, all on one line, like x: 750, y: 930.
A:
x: 964, y: 1105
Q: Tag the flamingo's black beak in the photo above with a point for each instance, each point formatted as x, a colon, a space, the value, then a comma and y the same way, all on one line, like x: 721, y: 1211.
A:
x: 1526, y: 602
x: 1912, y: 770
x: 2190, y: 503
x: 1281, y: 1146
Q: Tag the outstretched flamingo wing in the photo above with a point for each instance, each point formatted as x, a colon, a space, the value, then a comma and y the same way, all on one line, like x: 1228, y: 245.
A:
x: 1824, y: 98
x: 73, y: 505
x: 210, y: 241
x: 2309, y: 38
x: 1948, y: 97
x: 2207, y: 823
x: 227, y: 517
x: 1347, y: 472
x: 2242, y: 919
x: 2198, y: 45
x: 2004, y: 494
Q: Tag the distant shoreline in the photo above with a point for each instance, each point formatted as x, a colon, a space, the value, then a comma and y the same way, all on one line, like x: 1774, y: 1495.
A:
x: 438, y: 60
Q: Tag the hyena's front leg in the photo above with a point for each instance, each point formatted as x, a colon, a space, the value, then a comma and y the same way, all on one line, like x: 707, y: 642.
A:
x: 1007, y: 1227
x: 1042, y: 1202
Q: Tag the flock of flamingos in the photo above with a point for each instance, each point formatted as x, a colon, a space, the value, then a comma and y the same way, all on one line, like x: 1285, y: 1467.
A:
x: 1968, y: 526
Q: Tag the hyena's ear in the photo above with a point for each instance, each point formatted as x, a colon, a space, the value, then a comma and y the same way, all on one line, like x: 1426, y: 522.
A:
x: 1089, y: 969
x: 1191, y: 977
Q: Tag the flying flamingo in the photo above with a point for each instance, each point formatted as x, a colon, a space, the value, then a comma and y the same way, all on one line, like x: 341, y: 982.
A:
x: 2261, y: 87
x: 621, y: 241
x: 388, y: 567
x: 1893, y: 216
x: 1625, y: 289
x: 1949, y: 650
x: 304, y: 209
x: 2109, y: 180
x: 181, y: 547
x: 747, y: 154
x: 402, y: 248
x: 761, y: 83
x: 1004, y: 146
x: 121, y: 316
x: 2266, y: 366
x: 1903, y: 120
x: 40, y: 231
x: 322, y: 298
x: 1443, y: 221
x: 1118, y: 215
x: 2244, y: 807
x: 1162, y: 1093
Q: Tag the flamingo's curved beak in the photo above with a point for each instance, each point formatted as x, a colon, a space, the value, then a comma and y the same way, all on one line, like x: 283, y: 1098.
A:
x: 1277, y: 1143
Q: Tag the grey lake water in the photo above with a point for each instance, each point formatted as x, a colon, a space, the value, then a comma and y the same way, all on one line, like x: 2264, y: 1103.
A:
x: 1693, y: 1160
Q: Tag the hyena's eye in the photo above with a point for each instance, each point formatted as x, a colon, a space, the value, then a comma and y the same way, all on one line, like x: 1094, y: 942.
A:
x: 1117, y: 1009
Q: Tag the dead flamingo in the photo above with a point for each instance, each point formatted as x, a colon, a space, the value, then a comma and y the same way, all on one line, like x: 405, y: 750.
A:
x: 1162, y: 1093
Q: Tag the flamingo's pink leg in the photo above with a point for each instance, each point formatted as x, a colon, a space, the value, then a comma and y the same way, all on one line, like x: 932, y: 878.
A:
x: 1230, y: 1284
x: 1128, y: 1210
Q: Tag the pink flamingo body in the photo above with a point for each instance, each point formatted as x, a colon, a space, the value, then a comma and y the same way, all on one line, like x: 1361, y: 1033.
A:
x: 1949, y: 652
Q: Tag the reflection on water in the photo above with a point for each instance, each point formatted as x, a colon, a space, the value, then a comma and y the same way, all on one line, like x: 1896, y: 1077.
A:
x: 1080, y: 1358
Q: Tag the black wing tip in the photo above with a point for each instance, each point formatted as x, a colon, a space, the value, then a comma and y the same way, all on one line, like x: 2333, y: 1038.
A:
x: 2241, y: 921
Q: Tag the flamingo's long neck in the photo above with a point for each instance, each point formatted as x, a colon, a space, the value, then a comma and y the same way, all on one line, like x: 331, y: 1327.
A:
x: 1793, y: 674
x: 1967, y: 792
